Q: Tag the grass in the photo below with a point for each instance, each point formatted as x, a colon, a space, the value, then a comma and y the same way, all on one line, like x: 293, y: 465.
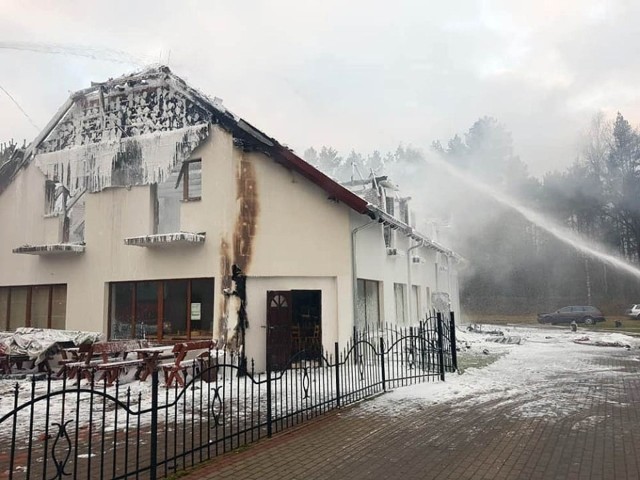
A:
x: 629, y: 326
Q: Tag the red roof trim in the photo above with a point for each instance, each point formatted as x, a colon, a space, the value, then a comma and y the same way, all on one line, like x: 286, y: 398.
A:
x: 337, y: 191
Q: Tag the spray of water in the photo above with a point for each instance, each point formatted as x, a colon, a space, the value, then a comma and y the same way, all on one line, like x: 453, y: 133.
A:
x: 560, y: 232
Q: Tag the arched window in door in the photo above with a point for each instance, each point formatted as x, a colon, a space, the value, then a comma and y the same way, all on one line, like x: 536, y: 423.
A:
x: 279, y: 301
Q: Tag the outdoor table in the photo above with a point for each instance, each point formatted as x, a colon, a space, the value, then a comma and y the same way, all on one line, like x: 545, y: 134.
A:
x: 71, y: 353
x: 151, y: 357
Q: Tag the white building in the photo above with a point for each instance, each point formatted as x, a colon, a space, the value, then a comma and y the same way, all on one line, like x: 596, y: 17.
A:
x: 145, y: 208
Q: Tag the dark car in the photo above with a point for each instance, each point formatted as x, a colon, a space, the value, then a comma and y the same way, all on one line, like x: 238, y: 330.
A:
x: 578, y: 314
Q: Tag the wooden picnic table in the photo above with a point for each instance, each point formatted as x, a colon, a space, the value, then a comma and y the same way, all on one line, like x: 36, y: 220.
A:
x: 71, y: 353
x: 151, y: 356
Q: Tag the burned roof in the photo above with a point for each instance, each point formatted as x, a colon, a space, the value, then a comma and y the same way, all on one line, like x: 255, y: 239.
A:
x: 110, y: 112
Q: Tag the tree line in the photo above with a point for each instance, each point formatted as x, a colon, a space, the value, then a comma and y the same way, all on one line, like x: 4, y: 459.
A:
x: 514, y: 266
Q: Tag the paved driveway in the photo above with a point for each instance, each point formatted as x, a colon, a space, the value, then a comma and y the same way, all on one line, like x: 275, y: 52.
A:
x: 551, y: 410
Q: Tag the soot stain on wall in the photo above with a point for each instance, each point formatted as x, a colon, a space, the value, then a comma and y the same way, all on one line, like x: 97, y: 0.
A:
x: 248, y: 211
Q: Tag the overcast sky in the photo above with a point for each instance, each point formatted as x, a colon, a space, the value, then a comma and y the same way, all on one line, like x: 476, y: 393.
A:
x: 360, y: 74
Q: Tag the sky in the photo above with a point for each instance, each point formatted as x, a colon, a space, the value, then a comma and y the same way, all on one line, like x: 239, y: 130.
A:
x: 360, y: 75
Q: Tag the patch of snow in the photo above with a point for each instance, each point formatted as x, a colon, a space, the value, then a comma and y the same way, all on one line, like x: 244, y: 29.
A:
x: 546, y: 375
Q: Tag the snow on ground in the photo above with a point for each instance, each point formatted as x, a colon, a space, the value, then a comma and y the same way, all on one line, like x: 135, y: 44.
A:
x: 538, y: 371
x: 543, y: 375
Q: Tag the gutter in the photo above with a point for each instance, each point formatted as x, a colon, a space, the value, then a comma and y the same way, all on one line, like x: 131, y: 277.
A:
x: 409, y: 284
x: 386, y: 219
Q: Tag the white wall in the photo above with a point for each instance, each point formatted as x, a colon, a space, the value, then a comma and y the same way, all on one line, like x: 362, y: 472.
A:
x: 299, y: 239
x: 257, y: 288
x: 373, y: 263
x: 299, y: 234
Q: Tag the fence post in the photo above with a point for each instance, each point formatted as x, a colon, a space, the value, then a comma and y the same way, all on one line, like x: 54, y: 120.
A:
x: 269, y: 431
x: 337, y: 360
x: 423, y: 344
x: 355, y: 344
x: 153, y: 466
x: 440, y: 346
x: 452, y: 339
x: 384, y: 381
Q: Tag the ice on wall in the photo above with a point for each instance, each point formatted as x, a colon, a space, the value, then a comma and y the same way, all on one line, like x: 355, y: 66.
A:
x: 134, y: 131
x: 144, y: 159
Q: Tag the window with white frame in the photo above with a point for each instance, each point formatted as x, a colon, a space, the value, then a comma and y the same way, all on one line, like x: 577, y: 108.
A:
x: 400, y: 295
x: 415, y: 303
x: 368, y: 303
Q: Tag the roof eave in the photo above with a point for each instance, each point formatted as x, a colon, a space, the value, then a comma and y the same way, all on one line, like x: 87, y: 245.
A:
x: 336, y: 191
x: 383, y: 217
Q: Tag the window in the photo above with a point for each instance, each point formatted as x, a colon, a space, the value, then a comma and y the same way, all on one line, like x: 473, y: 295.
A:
x: 404, y: 210
x: 37, y: 306
x: 18, y: 298
x: 55, y: 198
x: 399, y: 293
x: 4, y: 308
x: 368, y: 303
x: 201, y: 308
x: 191, y: 177
x: 40, y: 307
x: 162, y: 309
x: 415, y: 305
x: 389, y: 237
x: 389, y: 203
x: 174, y: 323
x: 57, y: 319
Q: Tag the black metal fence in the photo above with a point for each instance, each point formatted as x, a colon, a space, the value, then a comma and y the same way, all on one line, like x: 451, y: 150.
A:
x: 87, y: 430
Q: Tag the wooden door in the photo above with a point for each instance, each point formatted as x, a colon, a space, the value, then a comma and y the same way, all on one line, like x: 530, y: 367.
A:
x: 278, y: 329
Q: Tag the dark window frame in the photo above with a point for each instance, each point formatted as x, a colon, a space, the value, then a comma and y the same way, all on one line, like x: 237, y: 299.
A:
x: 160, y: 286
x: 28, y: 306
x: 184, y: 177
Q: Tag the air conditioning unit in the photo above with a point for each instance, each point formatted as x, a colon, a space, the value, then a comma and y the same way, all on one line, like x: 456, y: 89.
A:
x: 417, y: 259
x: 392, y: 251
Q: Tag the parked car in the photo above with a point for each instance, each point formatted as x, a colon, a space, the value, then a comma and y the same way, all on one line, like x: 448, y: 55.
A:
x: 579, y: 314
x: 634, y: 311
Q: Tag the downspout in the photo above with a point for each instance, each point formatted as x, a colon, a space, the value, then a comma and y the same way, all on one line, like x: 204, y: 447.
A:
x: 354, y: 265
x: 449, y: 279
x: 409, y: 285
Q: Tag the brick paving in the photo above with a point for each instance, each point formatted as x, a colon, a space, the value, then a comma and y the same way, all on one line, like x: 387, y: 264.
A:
x: 598, y: 437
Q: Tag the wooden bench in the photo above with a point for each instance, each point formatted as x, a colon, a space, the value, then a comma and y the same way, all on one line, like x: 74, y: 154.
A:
x: 114, y: 358
x: 73, y: 358
x: 107, y: 358
x: 188, y: 355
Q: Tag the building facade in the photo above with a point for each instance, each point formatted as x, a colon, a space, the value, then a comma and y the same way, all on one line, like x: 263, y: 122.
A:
x: 146, y: 209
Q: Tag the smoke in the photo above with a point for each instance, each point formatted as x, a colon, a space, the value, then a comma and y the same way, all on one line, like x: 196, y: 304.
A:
x: 518, y: 258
